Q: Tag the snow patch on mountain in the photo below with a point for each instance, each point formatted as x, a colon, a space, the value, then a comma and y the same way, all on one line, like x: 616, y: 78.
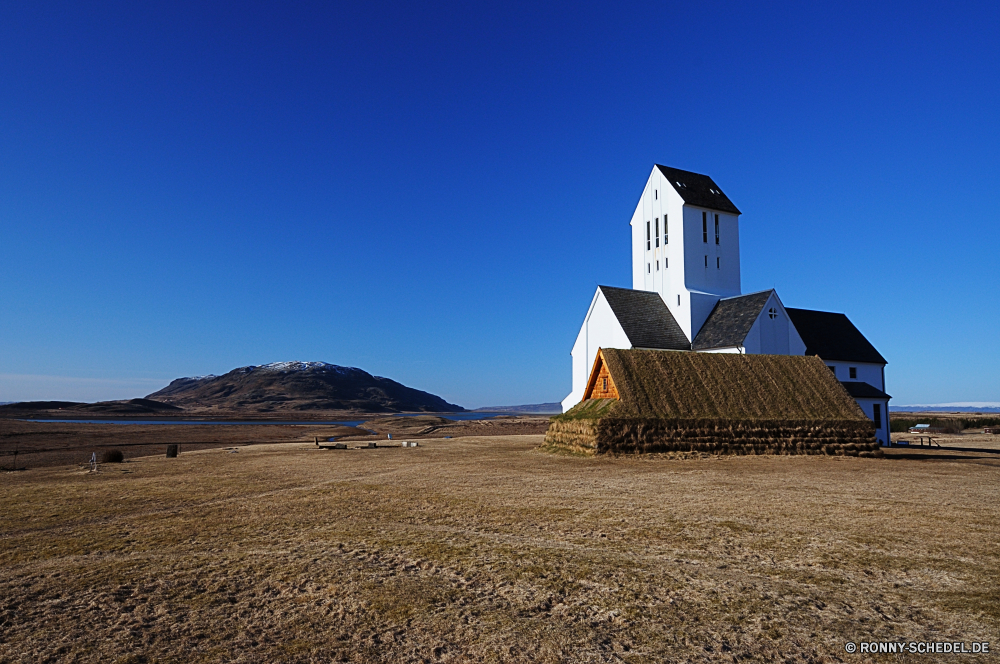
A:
x: 287, y: 367
x: 293, y: 366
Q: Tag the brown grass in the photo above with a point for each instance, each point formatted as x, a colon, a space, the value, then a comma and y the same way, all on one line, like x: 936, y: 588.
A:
x: 482, y: 549
x: 726, y: 386
x: 40, y: 444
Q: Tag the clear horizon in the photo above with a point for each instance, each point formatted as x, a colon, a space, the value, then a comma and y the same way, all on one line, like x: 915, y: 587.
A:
x: 432, y: 194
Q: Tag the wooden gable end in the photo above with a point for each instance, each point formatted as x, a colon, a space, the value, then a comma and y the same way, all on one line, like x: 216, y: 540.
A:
x: 600, y: 385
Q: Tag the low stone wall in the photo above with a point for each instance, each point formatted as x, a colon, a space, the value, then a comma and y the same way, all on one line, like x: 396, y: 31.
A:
x: 713, y: 436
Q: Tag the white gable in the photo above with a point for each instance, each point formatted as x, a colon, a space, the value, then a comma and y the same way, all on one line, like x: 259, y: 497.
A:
x: 773, y: 333
x: 600, y: 329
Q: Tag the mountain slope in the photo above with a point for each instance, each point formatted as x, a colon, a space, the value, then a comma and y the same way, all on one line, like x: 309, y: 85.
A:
x: 299, y: 386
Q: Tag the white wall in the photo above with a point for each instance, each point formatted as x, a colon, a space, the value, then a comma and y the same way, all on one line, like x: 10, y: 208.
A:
x: 868, y: 406
x: 721, y: 275
x: 700, y: 305
x: 660, y: 201
x: 600, y: 330
x: 867, y: 373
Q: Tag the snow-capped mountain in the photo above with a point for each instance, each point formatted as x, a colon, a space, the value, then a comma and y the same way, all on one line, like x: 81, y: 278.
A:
x: 298, y: 386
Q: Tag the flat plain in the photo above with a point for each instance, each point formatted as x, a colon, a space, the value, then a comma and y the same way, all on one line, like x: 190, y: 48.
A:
x: 482, y: 548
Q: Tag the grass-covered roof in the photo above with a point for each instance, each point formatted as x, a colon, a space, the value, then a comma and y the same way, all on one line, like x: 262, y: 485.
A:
x: 678, y: 385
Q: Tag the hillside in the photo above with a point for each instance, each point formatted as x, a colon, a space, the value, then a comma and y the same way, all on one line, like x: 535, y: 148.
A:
x: 79, y: 409
x: 299, y: 386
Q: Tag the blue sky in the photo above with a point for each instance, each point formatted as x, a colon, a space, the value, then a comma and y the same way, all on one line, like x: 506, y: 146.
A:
x: 433, y: 193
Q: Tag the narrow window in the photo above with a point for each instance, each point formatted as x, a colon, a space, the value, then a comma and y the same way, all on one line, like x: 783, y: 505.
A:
x: 706, y: 261
x: 878, y: 416
x: 647, y: 236
x: 657, y: 266
x: 704, y: 227
x: 649, y: 269
x: 657, y: 222
x: 717, y: 229
x: 605, y: 384
x: 656, y: 194
x: 833, y: 369
x: 717, y: 263
x: 678, y: 300
x: 664, y: 229
x: 666, y: 263
x: 853, y: 371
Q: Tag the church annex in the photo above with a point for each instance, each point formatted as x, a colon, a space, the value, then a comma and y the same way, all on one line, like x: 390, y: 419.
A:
x: 714, y: 403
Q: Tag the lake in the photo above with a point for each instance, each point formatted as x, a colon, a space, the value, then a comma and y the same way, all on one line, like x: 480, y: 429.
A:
x: 458, y: 417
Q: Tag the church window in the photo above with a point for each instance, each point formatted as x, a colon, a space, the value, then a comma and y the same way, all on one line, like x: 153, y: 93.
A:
x: 666, y: 263
x: 772, y: 313
x: 656, y: 194
x: 647, y: 236
x: 706, y: 261
x: 717, y: 266
x: 878, y: 416
x: 665, y: 229
x: 704, y: 227
x: 657, y: 266
x: 678, y: 300
x: 657, y: 229
x: 853, y: 371
x: 648, y: 268
x: 717, y: 229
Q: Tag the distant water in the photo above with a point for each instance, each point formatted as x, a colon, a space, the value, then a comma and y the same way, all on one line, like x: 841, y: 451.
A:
x: 346, y: 423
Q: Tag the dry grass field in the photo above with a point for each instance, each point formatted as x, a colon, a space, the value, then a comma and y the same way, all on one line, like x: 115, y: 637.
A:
x: 483, y: 549
x: 41, y: 444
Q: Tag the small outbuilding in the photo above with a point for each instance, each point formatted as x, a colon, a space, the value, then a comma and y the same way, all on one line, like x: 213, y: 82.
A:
x: 661, y: 401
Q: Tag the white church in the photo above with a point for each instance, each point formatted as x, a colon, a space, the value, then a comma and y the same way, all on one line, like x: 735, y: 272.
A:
x: 686, y: 296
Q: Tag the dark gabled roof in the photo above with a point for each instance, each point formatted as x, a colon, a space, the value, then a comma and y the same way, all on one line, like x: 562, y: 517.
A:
x: 833, y: 337
x: 730, y: 321
x: 646, y: 319
x: 699, y: 190
x: 862, y: 390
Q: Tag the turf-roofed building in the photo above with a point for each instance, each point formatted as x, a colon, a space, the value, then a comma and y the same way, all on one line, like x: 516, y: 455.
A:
x: 655, y: 401
x: 686, y: 297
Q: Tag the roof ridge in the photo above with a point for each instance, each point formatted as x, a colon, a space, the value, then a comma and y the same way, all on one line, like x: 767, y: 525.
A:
x: 734, y: 297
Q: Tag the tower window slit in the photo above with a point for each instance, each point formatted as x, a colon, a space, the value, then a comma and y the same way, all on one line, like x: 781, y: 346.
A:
x: 704, y: 227
x: 657, y: 228
x: 717, y: 229
x: 647, y: 236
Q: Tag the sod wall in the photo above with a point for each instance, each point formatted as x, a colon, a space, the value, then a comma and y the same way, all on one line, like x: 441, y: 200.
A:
x: 712, y: 436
